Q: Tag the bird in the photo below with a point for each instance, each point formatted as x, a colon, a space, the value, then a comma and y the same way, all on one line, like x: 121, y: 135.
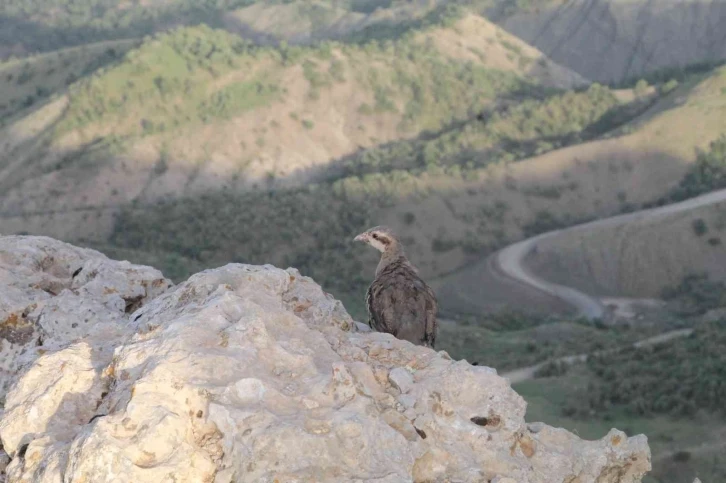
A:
x: 399, y: 302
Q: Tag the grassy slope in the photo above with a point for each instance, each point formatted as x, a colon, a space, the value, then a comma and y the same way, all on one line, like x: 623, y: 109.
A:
x: 311, y: 228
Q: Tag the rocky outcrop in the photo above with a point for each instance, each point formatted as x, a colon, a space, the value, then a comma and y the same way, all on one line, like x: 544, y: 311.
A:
x: 612, y: 40
x: 249, y: 373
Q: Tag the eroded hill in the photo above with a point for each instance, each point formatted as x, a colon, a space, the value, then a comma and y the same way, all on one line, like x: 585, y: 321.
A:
x: 612, y: 40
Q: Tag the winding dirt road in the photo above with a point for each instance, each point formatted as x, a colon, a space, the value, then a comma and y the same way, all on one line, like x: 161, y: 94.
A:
x: 509, y: 261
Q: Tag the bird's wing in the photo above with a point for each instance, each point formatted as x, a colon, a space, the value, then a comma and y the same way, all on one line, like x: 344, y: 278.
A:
x: 381, y: 300
x: 431, y: 308
x: 369, y: 306
x: 399, y: 300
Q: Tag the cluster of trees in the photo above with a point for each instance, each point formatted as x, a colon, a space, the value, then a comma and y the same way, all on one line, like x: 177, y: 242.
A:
x: 33, y: 79
x: 308, y: 229
x: 506, y: 133
x: 442, y: 16
x: 707, y: 174
x: 166, y: 80
x: 678, y: 378
x: 165, y: 83
x: 42, y: 25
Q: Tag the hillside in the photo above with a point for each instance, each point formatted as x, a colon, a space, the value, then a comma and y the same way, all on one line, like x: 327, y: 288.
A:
x: 205, y: 111
x: 670, y: 392
x: 644, y: 256
x: 612, y: 40
x: 498, y: 197
x: 638, y: 164
x: 608, y: 41
x: 34, y: 79
x: 207, y: 132
x: 30, y: 26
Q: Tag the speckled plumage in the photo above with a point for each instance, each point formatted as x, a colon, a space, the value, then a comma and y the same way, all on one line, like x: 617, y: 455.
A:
x: 399, y: 302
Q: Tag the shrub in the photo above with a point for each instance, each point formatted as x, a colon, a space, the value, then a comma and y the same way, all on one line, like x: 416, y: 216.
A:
x: 441, y: 245
x: 707, y: 174
x: 699, y: 227
x: 669, y: 86
x: 552, y: 369
x: 641, y: 87
x: 696, y: 294
x: 678, y: 378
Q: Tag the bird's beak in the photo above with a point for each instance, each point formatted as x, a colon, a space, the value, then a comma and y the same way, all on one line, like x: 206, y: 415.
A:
x: 362, y: 237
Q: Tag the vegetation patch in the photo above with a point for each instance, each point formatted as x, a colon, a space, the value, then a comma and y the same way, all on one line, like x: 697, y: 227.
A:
x: 696, y: 295
x: 678, y: 378
x: 707, y: 174
x: 532, y: 126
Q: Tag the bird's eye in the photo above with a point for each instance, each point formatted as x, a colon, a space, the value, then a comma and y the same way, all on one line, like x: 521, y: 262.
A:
x: 375, y: 235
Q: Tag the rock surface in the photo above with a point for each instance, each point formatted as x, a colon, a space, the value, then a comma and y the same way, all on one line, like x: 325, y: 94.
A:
x: 249, y: 373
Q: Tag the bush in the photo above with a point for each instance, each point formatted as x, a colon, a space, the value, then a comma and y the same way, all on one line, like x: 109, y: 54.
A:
x: 441, y: 245
x: 641, y: 88
x: 678, y: 378
x: 707, y: 174
x: 696, y: 294
x: 409, y: 218
x: 307, y: 229
x: 669, y: 86
x: 699, y: 227
x: 552, y: 369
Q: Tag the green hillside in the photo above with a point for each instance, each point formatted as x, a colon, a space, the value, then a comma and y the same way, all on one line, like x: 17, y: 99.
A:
x: 29, y: 81
x: 43, y: 25
x: 199, y: 75
x: 672, y: 392
x: 197, y: 110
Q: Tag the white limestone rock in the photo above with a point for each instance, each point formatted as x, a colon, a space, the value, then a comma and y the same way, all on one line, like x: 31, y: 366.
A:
x: 254, y: 374
x: 401, y: 379
x: 53, y: 293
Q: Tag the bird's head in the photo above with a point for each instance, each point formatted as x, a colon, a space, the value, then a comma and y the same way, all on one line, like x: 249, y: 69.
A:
x: 381, y: 238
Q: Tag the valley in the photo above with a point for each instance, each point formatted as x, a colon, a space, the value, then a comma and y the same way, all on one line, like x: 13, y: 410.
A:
x: 555, y: 170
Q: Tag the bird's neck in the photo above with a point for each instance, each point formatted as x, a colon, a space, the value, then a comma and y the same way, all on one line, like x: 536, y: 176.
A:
x: 392, y: 254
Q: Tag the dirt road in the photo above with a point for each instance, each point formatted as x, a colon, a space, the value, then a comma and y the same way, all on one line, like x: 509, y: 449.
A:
x: 509, y: 261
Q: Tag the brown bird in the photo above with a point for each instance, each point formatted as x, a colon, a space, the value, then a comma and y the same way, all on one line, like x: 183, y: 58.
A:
x: 399, y: 302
